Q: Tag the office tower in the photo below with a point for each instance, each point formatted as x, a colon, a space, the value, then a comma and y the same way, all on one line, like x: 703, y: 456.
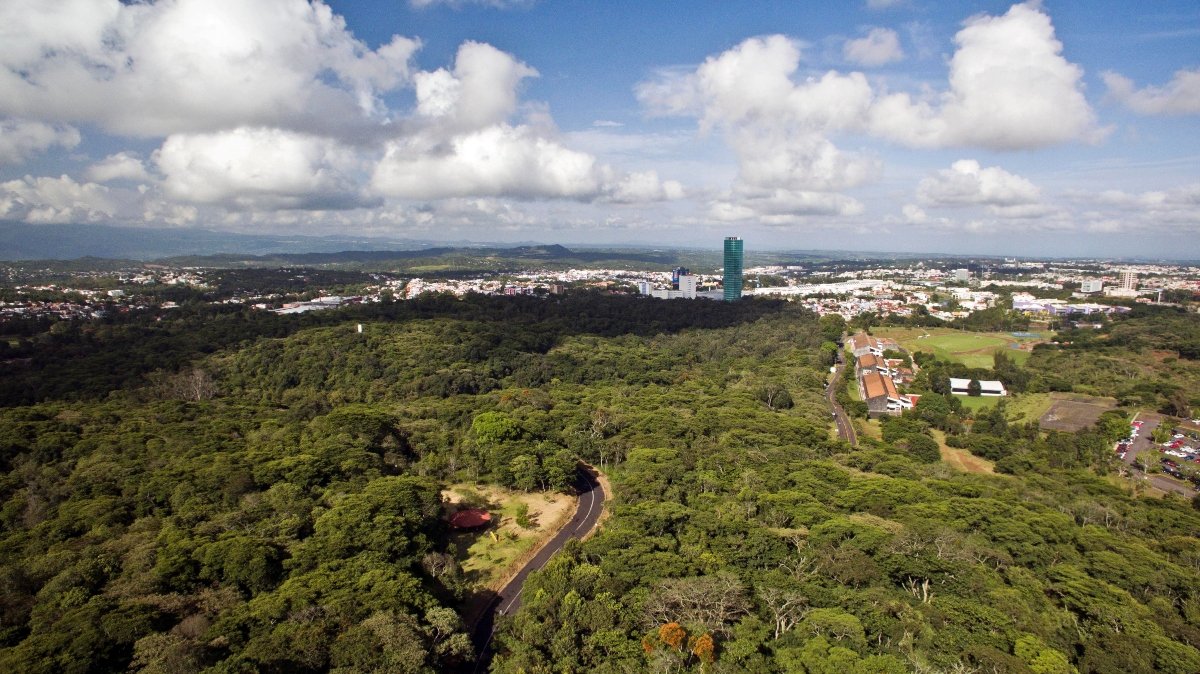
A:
x: 675, y: 274
x: 1129, y: 279
x: 687, y: 287
x: 733, y: 269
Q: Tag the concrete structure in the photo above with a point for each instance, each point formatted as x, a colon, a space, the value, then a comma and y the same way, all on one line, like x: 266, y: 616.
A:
x: 961, y: 275
x: 1129, y: 279
x: 991, y: 388
x: 732, y: 272
x: 686, y: 284
x: 962, y: 387
x: 863, y: 343
x: 676, y: 273
x: 867, y: 363
x: 1092, y: 286
x: 881, y: 394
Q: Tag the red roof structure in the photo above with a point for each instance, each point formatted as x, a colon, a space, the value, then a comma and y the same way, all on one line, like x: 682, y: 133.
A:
x: 471, y: 518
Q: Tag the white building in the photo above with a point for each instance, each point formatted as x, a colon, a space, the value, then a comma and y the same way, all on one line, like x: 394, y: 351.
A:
x: 1091, y: 286
x: 962, y: 275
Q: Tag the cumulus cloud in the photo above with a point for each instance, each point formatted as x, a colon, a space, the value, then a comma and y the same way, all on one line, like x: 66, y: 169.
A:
x: 481, y: 90
x: 119, y: 166
x: 774, y: 125
x: 21, y: 139
x: 505, y: 160
x: 192, y: 65
x: 880, y: 46
x: 1180, y: 96
x: 55, y: 200
x: 466, y: 146
x: 966, y: 183
x: 1010, y: 89
x: 259, y: 168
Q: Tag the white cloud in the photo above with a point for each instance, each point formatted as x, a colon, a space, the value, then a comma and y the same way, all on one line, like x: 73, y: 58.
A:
x: 192, y: 65
x: 914, y: 214
x: 965, y: 183
x: 1010, y: 89
x: 1181, y: 96
x: 880, y: 46
x: 259, y: 168
x: 782, y: 207
x: 464, y: 144
x: 119, y: 166
x: 481, y: 91
x: 883, y: 4
x: 774, y: 125
x: 55, y: 200
x: 21, y: 139
x: 505, y: 160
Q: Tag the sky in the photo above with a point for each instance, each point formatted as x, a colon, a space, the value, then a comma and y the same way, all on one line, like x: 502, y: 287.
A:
x: 1058, y: 127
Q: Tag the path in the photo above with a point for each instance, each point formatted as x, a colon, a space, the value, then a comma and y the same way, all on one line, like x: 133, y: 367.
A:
x: 587, y: 514
x: 845, y: 428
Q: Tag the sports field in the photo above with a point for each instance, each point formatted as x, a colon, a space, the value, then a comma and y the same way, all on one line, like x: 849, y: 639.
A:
x: 973, y: 349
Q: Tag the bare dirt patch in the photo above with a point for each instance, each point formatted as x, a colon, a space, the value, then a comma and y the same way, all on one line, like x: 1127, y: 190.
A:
x: 1073, y: 412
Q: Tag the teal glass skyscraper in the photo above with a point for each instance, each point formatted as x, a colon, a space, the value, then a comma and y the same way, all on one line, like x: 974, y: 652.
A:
x: 732, y: 280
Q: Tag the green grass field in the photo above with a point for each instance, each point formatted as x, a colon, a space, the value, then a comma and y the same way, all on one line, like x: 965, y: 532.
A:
x: 1021, y: 407
x: 973, y: 349
x: 978, y: 403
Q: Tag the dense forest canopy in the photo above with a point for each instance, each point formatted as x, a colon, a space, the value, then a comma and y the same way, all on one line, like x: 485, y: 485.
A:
x: 227, y: 490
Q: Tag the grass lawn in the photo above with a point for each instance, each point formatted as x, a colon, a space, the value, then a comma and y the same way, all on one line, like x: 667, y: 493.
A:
x: 486, y: 556
x: 973, y: 349
x: 852, y: 388
x: 961, y: 458
x: 976, y: 403
x: 1029, y: 406
x: 869, y: 428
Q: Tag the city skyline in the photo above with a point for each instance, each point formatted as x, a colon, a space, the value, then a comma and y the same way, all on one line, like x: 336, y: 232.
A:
x: 1039, y: 128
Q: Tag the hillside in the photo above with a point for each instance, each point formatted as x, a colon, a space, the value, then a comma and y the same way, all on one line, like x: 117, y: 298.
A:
x: 262, y: 493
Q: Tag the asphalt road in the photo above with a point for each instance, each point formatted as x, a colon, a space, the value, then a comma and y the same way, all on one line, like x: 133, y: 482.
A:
x: 587, y: 514
x: 845, y: 429
x: 1142, y: 447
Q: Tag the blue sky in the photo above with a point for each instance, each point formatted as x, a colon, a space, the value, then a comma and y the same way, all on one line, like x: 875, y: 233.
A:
x: 1057, y: 128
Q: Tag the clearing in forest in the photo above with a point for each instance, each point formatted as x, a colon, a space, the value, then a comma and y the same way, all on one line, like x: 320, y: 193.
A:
x: 1074, y: 411
x: 973, y: 349
x: 961, y: 459
x: 489, y: 556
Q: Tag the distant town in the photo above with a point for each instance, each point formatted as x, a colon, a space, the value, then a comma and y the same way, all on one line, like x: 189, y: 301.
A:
x: 938, y: 288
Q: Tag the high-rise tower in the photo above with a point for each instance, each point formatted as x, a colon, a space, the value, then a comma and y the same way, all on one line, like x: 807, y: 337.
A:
x: 732, y: 280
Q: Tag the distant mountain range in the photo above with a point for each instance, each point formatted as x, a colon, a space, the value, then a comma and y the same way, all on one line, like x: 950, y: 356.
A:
x: 67, y: 242
x: 20, y: 241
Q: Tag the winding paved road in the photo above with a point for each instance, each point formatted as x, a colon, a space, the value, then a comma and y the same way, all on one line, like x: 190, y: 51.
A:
x: 587, y: 514
x: 845, y: 428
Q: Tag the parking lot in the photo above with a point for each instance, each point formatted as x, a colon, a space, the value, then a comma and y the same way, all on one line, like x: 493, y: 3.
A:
x: 1143, y: 453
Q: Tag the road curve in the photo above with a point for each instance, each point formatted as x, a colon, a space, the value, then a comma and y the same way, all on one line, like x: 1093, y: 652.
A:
x: 845, y: 429
x: 587, y: 515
